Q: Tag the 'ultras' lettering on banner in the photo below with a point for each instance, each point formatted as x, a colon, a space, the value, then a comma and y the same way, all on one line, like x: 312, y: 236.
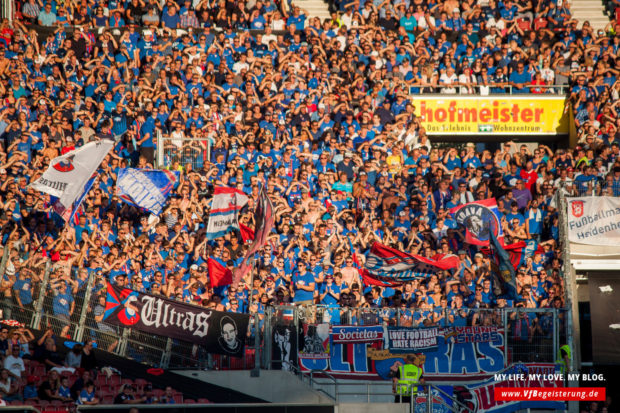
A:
x: 493, y: 115
x: 356, y: 334
x: 219, y: 332
x: 457, y: 358
x: 156, y: 313
x: 594, y: 220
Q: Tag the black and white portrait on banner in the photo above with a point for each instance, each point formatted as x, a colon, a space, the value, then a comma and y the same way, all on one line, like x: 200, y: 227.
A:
x: 315, y: 341
x: 229, y: 336
x: 284, y: 347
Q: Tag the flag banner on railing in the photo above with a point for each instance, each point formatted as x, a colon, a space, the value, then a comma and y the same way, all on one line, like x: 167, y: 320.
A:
x: 469, y: 355
x: 67, y: 175
x: 146, y: 188
x: 218, y: 332
x: 474, y: 334
x: 227, y: 202
x: 388, y: 265
x: 479, y: 218
x: 315, y: 343
x: 442, y: 400
x: 264, y: 222
x: 284, y: 338
x: 356, y: 334
x: 594, y: 220
x: 348, y: 357
x: 412, y: 340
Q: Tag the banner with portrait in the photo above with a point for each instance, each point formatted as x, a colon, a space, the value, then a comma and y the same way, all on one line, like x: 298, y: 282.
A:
x: 315, y: 341
x: 479, y: 218
x: 218, y: 332
x: 284, y: 343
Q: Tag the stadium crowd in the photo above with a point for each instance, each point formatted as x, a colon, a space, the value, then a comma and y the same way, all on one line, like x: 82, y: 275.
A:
x: 322, y: 114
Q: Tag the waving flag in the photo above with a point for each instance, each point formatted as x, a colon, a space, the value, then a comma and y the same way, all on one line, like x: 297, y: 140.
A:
x: 224, y: 207
x: 264, y: 219
x: 72, y: 214
x: 218, y: 273
x: 389, y: 266
x: 480, y: 219
x: 146, y: 188
x: 68, y: 175
x: 506, y: 269
x: 247, y: 233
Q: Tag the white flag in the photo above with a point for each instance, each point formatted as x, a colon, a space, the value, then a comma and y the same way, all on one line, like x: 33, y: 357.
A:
x: 67, y: 175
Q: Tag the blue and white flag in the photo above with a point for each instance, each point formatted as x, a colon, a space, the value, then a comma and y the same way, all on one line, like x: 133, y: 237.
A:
x: 73, y: 213
x: 223, y: 216
x: 146, y: 188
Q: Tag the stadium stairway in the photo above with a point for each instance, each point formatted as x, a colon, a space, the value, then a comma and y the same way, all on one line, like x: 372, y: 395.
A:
x: 315, y: 8
x: 590, y: 10
x: 273, y: 386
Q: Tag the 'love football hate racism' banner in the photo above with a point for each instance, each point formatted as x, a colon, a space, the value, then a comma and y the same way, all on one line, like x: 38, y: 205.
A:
x: 408, y: 340
x: 594, y: 220
x: 218, y: 332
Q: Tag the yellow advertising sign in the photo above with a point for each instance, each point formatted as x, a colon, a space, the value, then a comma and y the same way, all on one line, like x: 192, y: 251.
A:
x: 492, y: 115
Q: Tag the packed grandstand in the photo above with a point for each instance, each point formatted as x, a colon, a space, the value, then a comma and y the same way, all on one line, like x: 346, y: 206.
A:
x: 324, y: 117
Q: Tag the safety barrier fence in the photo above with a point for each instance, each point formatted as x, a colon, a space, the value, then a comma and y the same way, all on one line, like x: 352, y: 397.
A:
x: 220, y: 407
x: 54, y: 295
x: 530, y: 334
x: 193, y: 151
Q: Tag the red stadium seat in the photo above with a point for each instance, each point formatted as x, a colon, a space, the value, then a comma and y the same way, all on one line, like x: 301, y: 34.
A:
x: 203, y: 401
x: 189, y: 401
x: 101, y: 380
x: 140, y: 384
x: 178, y: 398
x: 114, y: 380
x: 40, y: 371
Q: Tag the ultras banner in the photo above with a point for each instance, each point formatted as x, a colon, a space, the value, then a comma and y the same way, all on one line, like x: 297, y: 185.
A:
x: 218, y: 332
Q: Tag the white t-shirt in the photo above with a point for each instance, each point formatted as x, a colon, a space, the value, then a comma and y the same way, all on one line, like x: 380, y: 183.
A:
x: 15, y: 365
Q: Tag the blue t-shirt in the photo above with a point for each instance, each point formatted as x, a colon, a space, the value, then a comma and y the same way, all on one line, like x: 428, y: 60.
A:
x: 62, y: 304
x: 306, y: 279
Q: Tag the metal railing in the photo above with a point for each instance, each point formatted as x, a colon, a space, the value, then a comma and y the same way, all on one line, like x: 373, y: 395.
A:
x: 221, y: 407
x: 193, y: 151
x: 51, y: 308
x: 488, y: 90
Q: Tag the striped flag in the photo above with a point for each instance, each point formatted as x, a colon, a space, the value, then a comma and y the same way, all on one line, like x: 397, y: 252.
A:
x: 264, y: 220
x: 227, y: 202
x: 390, y: 266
